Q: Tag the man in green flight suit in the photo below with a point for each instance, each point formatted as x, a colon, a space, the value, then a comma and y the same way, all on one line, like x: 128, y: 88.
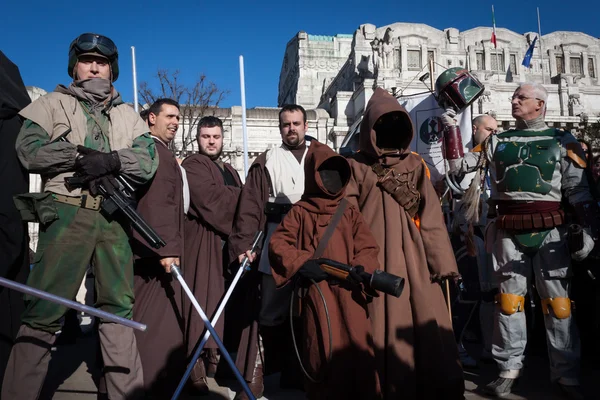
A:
x: 534, y: 170
x: 106, y: 137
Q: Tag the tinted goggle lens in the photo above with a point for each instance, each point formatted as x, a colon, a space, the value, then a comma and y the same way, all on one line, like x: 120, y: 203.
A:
x: 100, y: 44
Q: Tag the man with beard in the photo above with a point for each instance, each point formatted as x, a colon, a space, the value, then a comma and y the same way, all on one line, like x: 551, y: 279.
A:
x: 275, y: 182
x: 215, y: 187
x: 158, y: 300
x: 106, y: 137
x: 14, y: 255
x: 415, y: 349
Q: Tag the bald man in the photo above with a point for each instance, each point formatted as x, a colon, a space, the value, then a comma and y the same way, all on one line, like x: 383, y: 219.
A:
x: 483, y: 126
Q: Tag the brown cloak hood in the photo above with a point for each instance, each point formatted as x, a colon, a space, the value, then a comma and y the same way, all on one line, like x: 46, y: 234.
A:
x: 317, y: 197
x: 380, y: 104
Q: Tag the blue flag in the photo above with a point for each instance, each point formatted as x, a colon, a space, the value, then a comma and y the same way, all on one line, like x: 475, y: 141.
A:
x: 527, y: 59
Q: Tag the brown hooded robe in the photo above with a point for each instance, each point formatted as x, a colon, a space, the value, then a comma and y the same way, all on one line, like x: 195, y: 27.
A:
x: 157, y: 296
x: 250, y: 218
x: 351, y: 373
x: 210, y: 218
x: 416, y: 352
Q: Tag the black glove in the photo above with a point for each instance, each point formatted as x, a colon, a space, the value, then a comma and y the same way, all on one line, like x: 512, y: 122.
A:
x: 312, y: 270
x: 108, y: 182
x: 94, y: 164
x: 357, y: 274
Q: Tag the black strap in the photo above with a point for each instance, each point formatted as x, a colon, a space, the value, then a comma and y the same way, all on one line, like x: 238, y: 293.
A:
x: 337, y: 216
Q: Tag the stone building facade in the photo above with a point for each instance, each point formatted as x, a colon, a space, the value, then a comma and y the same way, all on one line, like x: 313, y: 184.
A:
x: 395, y: 56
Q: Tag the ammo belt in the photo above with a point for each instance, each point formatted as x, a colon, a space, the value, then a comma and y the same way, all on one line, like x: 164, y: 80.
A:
x: 535, y: 220
x: 276, y: 211
x: 86, y: 200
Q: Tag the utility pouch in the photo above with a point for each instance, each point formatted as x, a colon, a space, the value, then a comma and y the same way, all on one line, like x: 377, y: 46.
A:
x: 36, y: 207
x: 400, y: 186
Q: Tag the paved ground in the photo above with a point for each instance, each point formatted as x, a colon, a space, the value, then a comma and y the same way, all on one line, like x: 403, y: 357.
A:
x: 73, y: 368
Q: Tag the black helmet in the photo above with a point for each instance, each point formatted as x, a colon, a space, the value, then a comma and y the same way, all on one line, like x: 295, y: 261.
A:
x: 92, y: 43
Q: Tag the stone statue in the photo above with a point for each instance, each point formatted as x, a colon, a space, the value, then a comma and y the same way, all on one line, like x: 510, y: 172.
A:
x: 387, y: 49
x: 377, y: 50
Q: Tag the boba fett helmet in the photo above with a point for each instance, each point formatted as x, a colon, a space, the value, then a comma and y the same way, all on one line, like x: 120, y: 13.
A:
x: 94, y: 44
x: 457, y: 88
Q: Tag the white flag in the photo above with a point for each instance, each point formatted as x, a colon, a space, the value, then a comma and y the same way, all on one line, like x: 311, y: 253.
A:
x: 427, y: 137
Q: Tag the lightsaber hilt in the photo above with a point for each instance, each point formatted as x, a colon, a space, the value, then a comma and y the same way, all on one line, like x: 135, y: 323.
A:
x: 177, y: 274
x: 71, y: 304
x: 246, y: 261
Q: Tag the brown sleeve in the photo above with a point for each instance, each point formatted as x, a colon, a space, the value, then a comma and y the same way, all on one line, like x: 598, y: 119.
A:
x: 434, y: 233
x: 366, y: 249
x: 284, y: 255
x: 249, y: 218
x: 210, y: 199
x: 160, y: 208
x: 352, y: 191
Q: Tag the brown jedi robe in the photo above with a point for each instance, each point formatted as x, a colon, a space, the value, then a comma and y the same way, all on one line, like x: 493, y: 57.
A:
x: 157, y: 296
x: 208, y: 223
x: 351, y: 373
x: 250, y: 218
x: 417, y: 354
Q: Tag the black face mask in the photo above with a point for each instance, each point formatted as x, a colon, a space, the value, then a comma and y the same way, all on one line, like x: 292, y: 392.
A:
x: 332, y: 180
x: 389, y: 131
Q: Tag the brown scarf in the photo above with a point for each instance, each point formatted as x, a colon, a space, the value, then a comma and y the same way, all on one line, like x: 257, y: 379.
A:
x: 97, y: 92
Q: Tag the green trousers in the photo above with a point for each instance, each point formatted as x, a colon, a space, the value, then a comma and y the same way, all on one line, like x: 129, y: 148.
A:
x: 66, y: 247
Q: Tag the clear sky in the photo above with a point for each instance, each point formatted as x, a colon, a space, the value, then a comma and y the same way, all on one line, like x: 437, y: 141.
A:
x: 208, y: 37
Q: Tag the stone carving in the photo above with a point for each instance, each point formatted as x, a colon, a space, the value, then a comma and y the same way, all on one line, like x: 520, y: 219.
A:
x: 377, y: 48
x: 387, y: 56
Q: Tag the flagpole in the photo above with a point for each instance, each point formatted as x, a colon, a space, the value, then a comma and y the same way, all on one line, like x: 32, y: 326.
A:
x: 541, y: 48
x: 495, y: 42
x: 244, y: 127
x: 135, y: 92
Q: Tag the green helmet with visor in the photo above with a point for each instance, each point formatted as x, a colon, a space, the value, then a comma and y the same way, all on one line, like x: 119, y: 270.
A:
x: 94, y: 44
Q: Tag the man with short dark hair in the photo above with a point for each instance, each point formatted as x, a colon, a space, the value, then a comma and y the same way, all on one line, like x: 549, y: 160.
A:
x: 106, y: 137
x: 158, y: 298
x: 275, y: 182
x: 214, y: 191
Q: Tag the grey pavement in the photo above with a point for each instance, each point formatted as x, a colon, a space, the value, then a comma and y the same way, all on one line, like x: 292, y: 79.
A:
x: 73, y: 370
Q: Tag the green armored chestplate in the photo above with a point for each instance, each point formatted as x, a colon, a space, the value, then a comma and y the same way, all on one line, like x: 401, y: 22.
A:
x: 527, y: 166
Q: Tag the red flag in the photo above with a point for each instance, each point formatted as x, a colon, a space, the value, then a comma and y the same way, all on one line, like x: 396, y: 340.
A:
x: 493, y: 39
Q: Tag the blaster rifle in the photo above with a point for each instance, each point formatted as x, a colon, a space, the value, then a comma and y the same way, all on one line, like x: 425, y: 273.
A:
x: 121, y: 198
x: 377, y: 281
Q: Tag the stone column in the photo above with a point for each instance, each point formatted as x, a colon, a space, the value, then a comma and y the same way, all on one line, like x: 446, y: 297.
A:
x: 552, y: 63
x: 487, y: 58
x: 584, y: 63
x: 424, y: 60
x: 567, y: 61
x: 403, y: 56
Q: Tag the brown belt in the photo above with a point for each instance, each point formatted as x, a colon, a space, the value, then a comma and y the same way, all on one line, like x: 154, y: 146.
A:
x: 522, y: 222
x: 84, y: 201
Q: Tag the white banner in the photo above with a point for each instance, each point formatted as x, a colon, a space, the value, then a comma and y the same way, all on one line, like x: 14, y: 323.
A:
x: 427, y: 136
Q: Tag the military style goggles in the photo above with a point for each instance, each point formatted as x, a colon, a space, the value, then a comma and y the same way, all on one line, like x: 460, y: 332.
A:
x: 92, y: 43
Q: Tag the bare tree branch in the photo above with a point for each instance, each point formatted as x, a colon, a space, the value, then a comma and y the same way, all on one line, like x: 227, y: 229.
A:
x: 195, y: 100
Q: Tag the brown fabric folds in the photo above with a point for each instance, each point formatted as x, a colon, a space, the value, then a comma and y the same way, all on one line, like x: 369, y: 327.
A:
x: 351, y: 373
x: 417, y: 353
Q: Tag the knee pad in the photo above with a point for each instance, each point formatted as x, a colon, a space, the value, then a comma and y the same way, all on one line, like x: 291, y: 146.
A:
x: 561, y: 307
x: 510, y: 303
